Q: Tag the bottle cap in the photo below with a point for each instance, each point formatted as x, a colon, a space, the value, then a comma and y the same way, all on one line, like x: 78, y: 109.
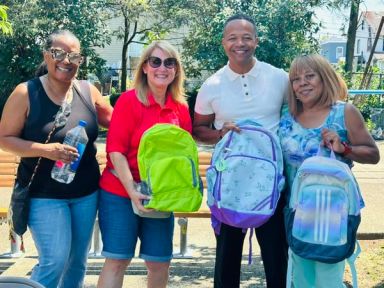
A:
x: 83, y: 123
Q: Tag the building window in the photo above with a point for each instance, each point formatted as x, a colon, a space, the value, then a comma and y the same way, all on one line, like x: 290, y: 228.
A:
x: 339, y: 52
x: 383, y: 43
x: 369, y: 41
x: 358, y: 46
x: 362, y: 25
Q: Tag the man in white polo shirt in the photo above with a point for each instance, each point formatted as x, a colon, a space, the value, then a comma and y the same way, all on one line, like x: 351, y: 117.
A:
x: 244, y: 88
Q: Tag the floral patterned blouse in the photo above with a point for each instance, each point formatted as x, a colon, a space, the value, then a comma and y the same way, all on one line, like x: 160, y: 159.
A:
x: 299, y: 143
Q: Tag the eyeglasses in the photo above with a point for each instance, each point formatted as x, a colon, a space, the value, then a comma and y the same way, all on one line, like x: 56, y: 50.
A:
x: 155, y: 62
x: 60, y: 55
x: 62, y: 115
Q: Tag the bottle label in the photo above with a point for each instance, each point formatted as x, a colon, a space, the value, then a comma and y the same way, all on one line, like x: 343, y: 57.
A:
x: 80, y: 149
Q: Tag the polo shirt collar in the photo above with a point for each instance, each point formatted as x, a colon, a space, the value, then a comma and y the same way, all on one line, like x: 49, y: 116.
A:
x: 232, y: 75
x: 169, y: 102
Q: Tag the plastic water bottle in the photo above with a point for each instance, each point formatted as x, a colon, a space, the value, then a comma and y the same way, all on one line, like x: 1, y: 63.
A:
x: 76, y: 137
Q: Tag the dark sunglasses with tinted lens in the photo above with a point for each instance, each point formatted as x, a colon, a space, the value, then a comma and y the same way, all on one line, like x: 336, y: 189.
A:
x: 62, y: 115
x: 60, y: 55
x: 155, y: 62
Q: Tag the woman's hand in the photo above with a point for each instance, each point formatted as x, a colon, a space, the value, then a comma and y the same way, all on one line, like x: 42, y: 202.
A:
x: 61, y: 152
x: 332, y: 140
x: 137, y: 198
x: 124, y: 174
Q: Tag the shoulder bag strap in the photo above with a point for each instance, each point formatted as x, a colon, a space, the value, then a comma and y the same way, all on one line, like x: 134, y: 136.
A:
x: 31, y: 89
x: 82, y: 88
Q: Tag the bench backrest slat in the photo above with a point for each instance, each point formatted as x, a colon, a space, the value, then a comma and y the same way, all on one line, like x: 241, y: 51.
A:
x: 8, y: 168
x: 9, y: 163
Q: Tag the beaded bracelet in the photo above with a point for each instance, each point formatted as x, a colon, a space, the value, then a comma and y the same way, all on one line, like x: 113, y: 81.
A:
x: 347, y: 149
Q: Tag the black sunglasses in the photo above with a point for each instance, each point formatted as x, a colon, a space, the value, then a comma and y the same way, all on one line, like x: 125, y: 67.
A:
x: 155, y: 62
x: 60, y: 55
x: 62, y: 115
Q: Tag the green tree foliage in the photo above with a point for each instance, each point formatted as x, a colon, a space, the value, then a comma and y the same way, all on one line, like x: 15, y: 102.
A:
x: 33, y: 21
x: 285, y: 29
x: 5, y: 26
x: 144, y: 21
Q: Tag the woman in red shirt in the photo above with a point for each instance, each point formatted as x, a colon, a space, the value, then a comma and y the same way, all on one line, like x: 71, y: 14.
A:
x: 157, y: 97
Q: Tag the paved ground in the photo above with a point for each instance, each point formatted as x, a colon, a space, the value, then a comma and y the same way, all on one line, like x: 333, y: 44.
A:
x: 198, y: 271
x: 371, y: 181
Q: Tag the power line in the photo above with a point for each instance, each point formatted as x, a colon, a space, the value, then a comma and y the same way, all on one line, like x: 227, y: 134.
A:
x: 339, y: 35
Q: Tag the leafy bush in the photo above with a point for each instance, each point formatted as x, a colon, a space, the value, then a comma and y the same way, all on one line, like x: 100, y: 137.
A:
x: 113, y: 98
x: 369, y: 102
x: 191, y: 99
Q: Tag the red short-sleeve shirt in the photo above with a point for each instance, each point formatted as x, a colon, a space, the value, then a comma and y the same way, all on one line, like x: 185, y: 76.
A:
x: 130, y: 120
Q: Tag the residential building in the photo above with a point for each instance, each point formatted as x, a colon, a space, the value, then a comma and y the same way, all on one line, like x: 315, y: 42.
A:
x: 368, y: 26
x: 333, y: 49
x: 112, y: 53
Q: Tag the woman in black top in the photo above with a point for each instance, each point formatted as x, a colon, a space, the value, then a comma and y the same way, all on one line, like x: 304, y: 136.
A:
x: 61, y: 215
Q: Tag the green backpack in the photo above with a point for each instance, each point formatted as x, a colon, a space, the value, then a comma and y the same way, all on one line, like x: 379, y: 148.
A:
x: 168, y: 166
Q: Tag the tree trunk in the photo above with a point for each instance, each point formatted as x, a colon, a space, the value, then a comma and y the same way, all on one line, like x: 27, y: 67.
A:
x: 351, y: 38
x: 124, y: 57
x: 124, y: 67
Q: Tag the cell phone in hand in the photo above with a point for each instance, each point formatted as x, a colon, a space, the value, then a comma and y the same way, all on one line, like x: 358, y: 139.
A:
x: 143, y: 189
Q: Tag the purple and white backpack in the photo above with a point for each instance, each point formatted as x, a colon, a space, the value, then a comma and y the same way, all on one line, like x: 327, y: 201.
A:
x: 245, y: 177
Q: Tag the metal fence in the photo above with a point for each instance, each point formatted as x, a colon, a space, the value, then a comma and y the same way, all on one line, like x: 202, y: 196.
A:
x: 373, y: 80
x: 376, y: 112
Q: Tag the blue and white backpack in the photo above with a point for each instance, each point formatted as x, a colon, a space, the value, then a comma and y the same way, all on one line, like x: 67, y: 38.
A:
x: 245, y: 177
x: 324, y: 211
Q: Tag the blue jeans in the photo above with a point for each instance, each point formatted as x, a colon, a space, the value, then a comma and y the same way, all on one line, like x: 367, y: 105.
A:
x: 62, y: 230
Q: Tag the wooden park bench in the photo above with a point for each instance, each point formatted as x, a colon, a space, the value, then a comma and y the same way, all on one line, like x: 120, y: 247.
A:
x: 203, y: 212
x: 8, y: 169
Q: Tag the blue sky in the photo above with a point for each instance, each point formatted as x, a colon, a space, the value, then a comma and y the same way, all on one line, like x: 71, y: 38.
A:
x: 333, y: 21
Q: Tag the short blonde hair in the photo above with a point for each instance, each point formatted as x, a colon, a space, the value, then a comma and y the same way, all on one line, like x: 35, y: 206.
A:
x: 334, y: 87
x: 140, y: 82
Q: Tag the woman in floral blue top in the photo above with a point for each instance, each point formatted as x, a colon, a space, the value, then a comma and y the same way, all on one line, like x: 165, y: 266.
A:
x: 315, y: 117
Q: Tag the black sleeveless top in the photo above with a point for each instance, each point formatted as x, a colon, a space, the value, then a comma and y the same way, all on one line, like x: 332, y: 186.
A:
x: 36, y: 128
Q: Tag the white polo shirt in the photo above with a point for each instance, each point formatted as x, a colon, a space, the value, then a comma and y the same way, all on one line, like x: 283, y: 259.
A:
x: 258, y: 94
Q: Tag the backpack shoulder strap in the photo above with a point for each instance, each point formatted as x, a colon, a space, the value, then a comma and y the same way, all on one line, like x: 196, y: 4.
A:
x: 351, y: 262
x: 289, y: 269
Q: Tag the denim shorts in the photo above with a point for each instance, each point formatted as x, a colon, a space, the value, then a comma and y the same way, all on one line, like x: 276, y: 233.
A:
x: 121, y: 227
